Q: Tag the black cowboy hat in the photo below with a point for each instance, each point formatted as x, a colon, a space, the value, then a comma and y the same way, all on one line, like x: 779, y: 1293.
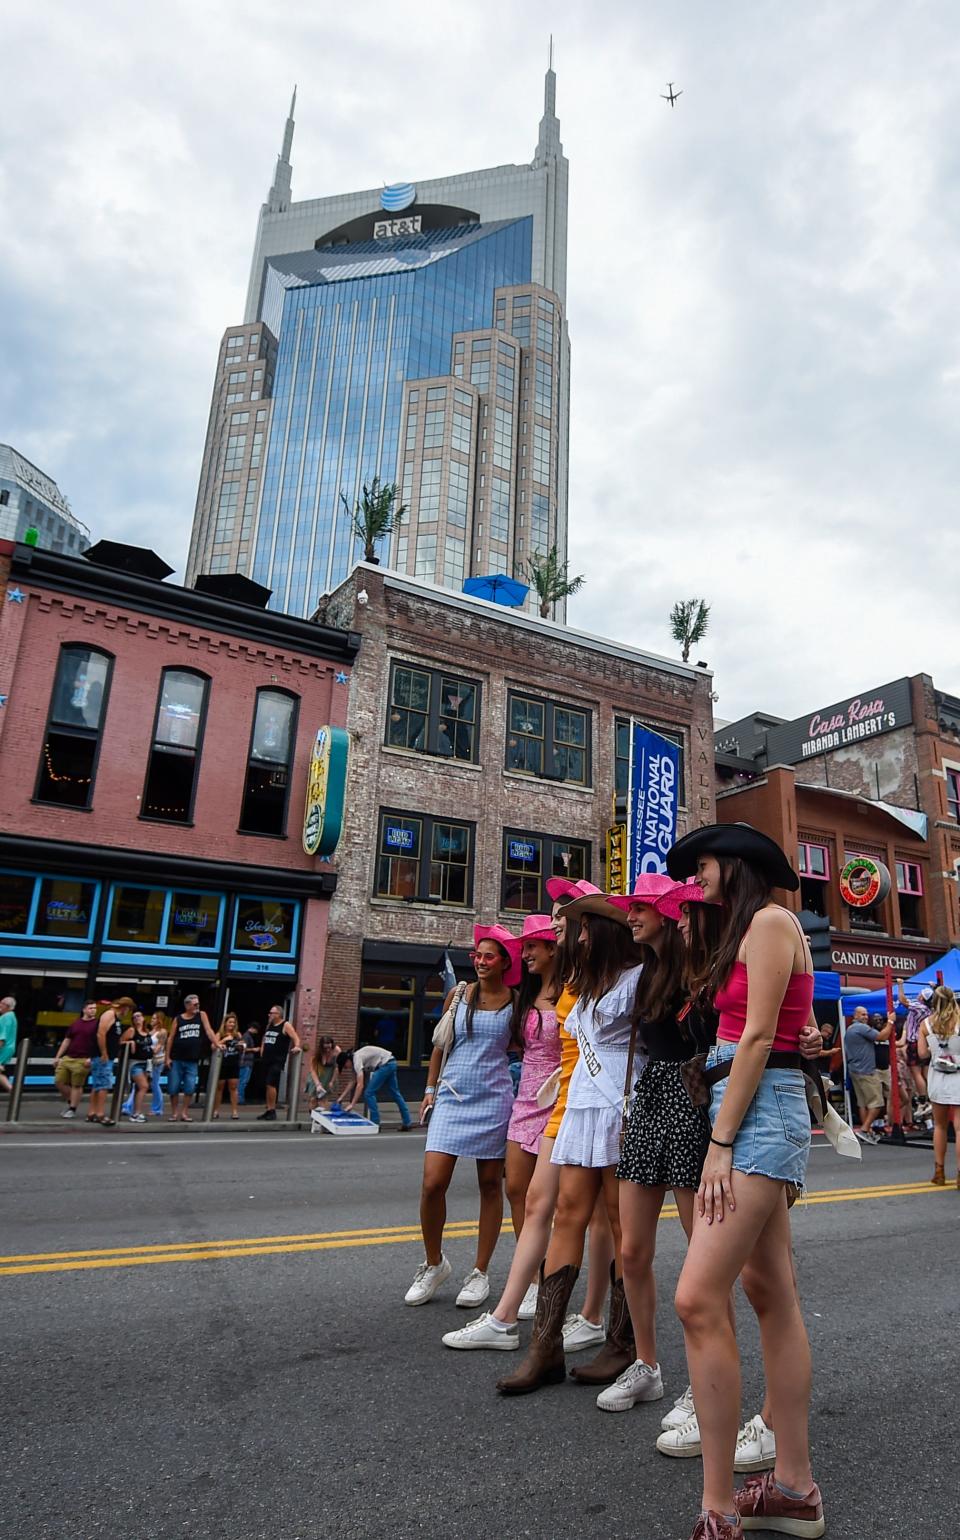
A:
x: 733, y: 839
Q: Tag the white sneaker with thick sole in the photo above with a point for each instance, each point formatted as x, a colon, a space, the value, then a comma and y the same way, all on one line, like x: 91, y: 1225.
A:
x: 482, y: 1334
x: 756, y: 1447
x: 682, y: 1443
x: 680, y: 1412
x: 528, y: 1305
x: 641, y: 1382
x: 579, y: 1333
x: 427, y: 1281
x: 474, y: 1290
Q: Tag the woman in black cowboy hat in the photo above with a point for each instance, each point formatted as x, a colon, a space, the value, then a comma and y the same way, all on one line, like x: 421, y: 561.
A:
x: 759, y: 976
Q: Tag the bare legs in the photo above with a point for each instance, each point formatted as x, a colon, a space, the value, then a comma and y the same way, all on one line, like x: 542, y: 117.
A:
x: 490, y: 1182
x: 942, y: 1118
x: 601, y: 1255
x: 757, y: 1232
x: 520, y: 1167
x: 539, y: 1204
x: 639, y: 1215
x: 437, y: 1174
x: 580, y: 1187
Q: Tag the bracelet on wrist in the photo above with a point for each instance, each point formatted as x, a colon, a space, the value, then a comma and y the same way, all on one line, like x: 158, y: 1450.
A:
x: 722, y: 1144
x: 430, y: 1091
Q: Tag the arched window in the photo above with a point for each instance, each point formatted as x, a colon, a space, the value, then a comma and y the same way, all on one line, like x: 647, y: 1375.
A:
x: 175, y: 750
x: 267, y: 785
x: 71, y: 744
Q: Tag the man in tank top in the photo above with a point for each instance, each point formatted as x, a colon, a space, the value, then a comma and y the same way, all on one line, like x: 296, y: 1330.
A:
x: 278, y: 1038
x: 189, y: 1039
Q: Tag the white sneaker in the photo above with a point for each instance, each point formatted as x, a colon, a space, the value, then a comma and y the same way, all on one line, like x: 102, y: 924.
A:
x: 528, y: 1305
x: 474, y: 1290
x: 683, y: 1442
x: 481, y: 1334
x: 756, y: 1447
x: 579, y: 1333
x: 427, y: 1281
x: 69, y: 1113
x: 638, y: 1383
x: 681, y: 1411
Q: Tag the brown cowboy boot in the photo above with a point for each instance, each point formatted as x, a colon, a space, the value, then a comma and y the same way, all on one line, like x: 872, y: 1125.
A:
x: 544, y: 1363
x: 619, y: 1351
x: 938, y: 1179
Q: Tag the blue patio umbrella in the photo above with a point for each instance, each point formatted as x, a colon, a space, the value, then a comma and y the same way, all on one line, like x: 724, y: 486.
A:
x: 497, y: 587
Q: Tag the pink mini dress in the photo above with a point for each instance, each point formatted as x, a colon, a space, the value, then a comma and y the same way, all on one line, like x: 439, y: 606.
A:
x: 541, y: 1056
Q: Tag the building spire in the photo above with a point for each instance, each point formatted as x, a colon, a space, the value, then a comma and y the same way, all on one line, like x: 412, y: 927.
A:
x: 278, y: 198
x: 548, y: 144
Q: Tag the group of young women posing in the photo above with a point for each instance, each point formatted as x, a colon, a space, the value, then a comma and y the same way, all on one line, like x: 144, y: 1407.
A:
x: 662, y: 1037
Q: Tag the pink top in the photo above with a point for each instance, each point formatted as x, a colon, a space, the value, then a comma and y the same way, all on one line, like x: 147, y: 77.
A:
x: 731, y: 1002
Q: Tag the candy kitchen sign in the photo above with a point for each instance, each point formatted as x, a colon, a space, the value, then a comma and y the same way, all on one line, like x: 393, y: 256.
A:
x: 848, y: 722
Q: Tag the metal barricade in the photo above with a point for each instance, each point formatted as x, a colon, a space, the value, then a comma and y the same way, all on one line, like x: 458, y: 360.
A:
x: 213, y: 1080
x: 120, y: 1081
x: 19, y: 1077
x: 294, y: 1075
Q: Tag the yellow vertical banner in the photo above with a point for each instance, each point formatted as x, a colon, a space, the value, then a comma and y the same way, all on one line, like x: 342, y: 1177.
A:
x: 617, y: 858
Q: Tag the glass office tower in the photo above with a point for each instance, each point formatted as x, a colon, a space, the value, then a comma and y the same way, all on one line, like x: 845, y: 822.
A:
x: 353, y: 298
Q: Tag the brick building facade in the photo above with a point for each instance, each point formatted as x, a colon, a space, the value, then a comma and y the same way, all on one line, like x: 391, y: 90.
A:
x: 877, y: 775
x: 483, y: 760
x: 154, y: 749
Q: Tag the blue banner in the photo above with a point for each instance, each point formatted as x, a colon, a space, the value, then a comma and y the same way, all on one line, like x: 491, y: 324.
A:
x: 654, y: 793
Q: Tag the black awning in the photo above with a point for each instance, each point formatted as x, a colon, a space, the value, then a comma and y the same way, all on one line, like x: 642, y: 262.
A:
x: 407, y: 954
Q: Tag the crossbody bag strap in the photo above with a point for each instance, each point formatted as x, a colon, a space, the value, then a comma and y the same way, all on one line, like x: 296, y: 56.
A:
x: 458, y: 996
x: 627, y: 1084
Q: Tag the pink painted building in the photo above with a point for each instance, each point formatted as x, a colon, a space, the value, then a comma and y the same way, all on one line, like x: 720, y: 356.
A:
x: 154, y: 751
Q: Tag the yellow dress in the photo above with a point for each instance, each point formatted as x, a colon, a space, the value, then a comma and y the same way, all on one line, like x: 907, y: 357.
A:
x: 569, y: 1054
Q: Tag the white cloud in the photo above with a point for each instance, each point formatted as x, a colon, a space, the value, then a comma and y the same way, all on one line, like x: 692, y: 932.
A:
x: 762, y: 288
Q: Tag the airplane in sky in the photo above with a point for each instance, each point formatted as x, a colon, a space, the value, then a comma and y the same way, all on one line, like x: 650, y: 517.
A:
x: 672, y: 96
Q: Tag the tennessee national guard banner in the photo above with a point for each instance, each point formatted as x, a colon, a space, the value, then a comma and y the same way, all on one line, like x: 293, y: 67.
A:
x: 654, y: 792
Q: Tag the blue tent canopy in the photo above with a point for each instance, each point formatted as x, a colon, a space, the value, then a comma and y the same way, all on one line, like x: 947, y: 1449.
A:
x: 876, y: 999
x: 826, y: 986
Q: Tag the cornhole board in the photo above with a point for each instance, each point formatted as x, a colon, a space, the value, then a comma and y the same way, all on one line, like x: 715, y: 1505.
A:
x: 332, y: 1121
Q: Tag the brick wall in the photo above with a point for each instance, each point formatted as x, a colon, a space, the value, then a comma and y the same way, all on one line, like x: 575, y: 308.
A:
x: 143, y: 645
x: 415, y: 627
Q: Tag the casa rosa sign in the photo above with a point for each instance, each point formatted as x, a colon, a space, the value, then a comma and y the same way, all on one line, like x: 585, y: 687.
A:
x: 866, y: 715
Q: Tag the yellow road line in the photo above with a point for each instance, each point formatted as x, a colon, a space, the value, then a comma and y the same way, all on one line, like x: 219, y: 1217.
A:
x: 275, y: 1245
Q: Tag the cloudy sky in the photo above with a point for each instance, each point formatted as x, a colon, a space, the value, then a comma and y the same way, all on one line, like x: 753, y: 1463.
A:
x: 763, y: 293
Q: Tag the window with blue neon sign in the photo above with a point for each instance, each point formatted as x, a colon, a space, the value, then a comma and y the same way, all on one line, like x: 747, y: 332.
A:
x: 267, y: 926
x: 54, y: 908
x: 169, y: 918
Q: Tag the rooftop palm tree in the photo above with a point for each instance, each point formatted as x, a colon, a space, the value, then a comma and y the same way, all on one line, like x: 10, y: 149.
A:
x: 375, y: 515
x: 689, y: 620
x: 549, y: 576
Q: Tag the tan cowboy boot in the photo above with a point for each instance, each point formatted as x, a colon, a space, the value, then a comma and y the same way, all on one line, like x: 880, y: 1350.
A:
x: 544, y: 1363
x: 619, y: 1350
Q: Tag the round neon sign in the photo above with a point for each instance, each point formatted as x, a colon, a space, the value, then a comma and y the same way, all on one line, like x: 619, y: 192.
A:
x: 863, y: 882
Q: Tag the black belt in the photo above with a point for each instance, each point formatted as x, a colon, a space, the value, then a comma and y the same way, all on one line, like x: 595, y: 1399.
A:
x: 720, y: 1071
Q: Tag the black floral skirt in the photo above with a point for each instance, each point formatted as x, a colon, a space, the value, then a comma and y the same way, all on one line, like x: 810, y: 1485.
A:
x: 666, y: 1137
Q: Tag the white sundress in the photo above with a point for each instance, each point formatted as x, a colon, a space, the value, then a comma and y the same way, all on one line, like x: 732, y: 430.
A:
x: 589, y: 1133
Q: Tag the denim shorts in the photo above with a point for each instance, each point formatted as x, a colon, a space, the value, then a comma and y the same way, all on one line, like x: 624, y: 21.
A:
x: 182, y: 1077
x: 101, y: 1075
x: 774, y: 1137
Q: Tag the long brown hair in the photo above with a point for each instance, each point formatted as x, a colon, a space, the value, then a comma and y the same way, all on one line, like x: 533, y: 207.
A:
x: 607, y: 951
x: 662, y: 980
x: 944, y: 1013
x: 745, y: 891
x: 529, y: 988
x: 569, y: 952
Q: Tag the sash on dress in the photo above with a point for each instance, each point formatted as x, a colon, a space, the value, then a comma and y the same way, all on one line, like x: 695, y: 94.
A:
x: 593, y: 1064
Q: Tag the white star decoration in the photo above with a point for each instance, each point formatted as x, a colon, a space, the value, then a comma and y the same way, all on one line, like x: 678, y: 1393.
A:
x: 16, y: 595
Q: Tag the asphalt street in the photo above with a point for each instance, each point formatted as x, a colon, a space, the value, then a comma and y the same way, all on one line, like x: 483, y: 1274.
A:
x: 207, y: 1338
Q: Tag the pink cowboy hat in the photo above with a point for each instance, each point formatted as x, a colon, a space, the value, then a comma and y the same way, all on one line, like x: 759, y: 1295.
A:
x: 537, y: 927
x: 661, y: 893
x: 511, y: 945
x: 562, y: 887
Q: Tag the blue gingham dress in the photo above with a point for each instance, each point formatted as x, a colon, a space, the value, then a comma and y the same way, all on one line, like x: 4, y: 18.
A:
x: 474, y: 1099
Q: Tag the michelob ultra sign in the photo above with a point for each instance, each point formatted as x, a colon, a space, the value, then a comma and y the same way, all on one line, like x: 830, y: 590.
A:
x: 326, y: 788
